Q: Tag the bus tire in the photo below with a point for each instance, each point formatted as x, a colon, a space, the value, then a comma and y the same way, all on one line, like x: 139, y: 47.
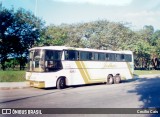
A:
x: 110, y: 79
x: 61, y: 83
x: 117, y: 79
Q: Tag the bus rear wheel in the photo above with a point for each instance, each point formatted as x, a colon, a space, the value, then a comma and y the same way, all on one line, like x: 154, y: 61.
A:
x: 117, y: 79
x: 61, y: 83
x: 110, y: 79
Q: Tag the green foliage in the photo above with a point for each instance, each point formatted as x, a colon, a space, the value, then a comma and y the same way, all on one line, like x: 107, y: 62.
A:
x: 99, y: 34
x: 103, y: 34
x: 19, y: 31
x: 53, y: 35
x: 12, y: 76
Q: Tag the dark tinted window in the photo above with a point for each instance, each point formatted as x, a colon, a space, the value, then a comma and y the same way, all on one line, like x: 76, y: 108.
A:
x: 96, y: 56
x: 101, y: 56
x: 128, y: 58
x: 111, y: 56
x: 71, y: 55
x: 86, y: 55
x: 120, y: 57
x: 53, y: 55
x: 53, y: 60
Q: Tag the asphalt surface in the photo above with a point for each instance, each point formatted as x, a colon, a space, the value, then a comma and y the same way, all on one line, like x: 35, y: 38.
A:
x: 137, y: 93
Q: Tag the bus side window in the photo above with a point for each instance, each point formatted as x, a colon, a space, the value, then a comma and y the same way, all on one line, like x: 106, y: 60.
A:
x: 86, y: 56
x: 96, y: 56
x: 71, y: 55
x: 107, y: 57
x: 101, y: 57
x: 118, y: 57
x: 122, y: 57
x: 90, y: 56
x: 128, y: 58
x: 111, y: 57
x: 66, y: 55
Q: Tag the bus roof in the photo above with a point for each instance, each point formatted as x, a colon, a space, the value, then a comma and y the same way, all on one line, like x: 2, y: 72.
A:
x: 79, y: 49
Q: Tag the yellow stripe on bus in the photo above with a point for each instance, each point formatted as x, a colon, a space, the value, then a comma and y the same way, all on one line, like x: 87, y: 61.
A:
x: 82, y: 71
x: 85, y: 70
x: 129, y: 67
x: 87, y: 76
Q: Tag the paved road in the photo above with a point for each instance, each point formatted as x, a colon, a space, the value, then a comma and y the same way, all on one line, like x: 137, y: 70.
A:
x: 139, y: 93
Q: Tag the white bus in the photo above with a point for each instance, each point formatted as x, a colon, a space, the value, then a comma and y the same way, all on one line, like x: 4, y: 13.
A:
x: 60, y: 66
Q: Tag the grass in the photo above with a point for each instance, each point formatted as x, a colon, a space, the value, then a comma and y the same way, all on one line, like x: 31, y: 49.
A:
x: 12, y: 76
x: 146, y: 72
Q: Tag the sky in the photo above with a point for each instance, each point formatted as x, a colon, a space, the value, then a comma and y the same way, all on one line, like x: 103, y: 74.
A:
x: 137, y: 13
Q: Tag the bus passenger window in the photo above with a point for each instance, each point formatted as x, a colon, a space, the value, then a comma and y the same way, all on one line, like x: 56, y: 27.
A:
x: 107, y: 57
x: 122, y: 57
x: 91, y: 57
x: 71, y: 55
x: 128, y: 58
x: 53, y: 55
x: 96, y: 56
x: 101, y: 57
x: 86, y: 55
x: 111, y: 57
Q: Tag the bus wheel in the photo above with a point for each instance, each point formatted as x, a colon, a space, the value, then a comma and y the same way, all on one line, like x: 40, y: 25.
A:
x: 110, y: 79
x: 61, y: 84
x: 117, y: 79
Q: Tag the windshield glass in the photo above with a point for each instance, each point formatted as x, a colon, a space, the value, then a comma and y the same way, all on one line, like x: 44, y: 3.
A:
x: 36, y: 58
x: 44, y: 60
x: 34, y: 62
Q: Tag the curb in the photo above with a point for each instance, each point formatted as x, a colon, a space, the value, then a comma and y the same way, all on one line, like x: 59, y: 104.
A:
x: 13, y: 85
x: 9, y: 88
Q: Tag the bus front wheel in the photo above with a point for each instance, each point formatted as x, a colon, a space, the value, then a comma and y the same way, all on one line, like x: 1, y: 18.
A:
x: 61, y: 83
x: 110, y: 79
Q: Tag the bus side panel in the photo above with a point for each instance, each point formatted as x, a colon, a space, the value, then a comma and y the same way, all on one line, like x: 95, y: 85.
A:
x: 73, y: 73
x: 98, y: 71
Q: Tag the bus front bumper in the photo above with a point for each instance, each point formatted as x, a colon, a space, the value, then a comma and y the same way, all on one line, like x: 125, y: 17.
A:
x: 38, y: 84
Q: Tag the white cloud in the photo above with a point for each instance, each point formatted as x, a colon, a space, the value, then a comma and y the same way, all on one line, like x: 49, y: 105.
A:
x: 99, y: 2
x: 144, y: 18
x: 136, y: 12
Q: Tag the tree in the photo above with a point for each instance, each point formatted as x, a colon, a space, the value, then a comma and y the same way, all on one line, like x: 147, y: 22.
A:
x: 103, y: 34
x: 6, y: 19
x: 156, y: 53
x: 147, y: 33
x: 142, y: 54
x: 100, y: 35
x: 19, y: 31
x: 26, y: 30
x: 53, y: 35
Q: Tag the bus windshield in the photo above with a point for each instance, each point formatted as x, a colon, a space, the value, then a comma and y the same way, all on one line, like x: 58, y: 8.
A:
x: 44, y: 60
x: 35, y: 58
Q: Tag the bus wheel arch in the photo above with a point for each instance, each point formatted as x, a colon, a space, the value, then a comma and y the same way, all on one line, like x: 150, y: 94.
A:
x: 109, y: 79
x: 61, y: 82
x: 117, y: 79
